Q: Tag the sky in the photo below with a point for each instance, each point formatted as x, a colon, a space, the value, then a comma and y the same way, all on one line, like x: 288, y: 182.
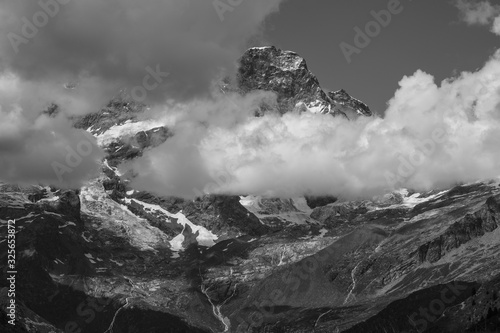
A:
x: 427, y: 35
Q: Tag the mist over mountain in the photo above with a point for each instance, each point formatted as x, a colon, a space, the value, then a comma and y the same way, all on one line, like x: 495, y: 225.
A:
x: 427, y: 130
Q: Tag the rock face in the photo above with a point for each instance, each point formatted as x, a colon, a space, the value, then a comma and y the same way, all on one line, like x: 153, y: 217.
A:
x: 379, y: 271
x: 127, y: 148
x: 118, y: 111
x: 286, y: 74
x: 350, y: 106
x: 472, y: 226
x: 68, y: 203
x: 225, y: 216
x: 314, y: 202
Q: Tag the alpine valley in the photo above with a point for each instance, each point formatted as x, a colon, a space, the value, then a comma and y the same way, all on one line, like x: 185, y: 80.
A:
x: 108, y: 258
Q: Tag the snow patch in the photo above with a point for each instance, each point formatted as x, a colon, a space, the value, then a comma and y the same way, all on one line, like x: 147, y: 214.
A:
x: 115, y: 170
x: 116, y: 262
x: 176, y: 242
x: 323, y: 232
x: 109, y: 215
x: 301, y: 204
x: 67, y: 224
x: 88, y: 240
x: 318, y: 107
x: 204, y: 238
x: 128, y: 128
x: 414, y: 199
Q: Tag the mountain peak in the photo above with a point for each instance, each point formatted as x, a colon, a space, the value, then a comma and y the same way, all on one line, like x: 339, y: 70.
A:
x: 285, y: 60
x: 286, y: 73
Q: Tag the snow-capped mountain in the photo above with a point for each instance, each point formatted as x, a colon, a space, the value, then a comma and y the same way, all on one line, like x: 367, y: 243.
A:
x: 109, y: 258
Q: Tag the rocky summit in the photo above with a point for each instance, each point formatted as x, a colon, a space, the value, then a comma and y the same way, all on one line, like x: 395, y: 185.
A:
x: 286, y: 74
x: 109, y: 258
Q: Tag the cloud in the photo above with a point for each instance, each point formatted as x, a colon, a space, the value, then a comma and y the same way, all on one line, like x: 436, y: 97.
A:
x: 118, y: 43
x: 153, y: 49
x: 480, y: 13
x: 42, y: 149
x: 496, y: 26
x: 432, y: 136
x: 177, y: 167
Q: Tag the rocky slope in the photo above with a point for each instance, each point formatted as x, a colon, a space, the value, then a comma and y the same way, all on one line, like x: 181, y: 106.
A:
x: 378, y: 277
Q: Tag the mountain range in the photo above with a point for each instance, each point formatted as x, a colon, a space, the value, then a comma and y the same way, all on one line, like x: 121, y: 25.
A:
x: 109, y: 258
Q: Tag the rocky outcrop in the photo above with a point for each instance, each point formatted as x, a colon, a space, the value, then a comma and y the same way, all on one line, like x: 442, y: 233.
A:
x: 117, y: 111
x: 283, y: 72
x: 65, y: 202
x: 268, y: 206
x: 69, y: 203
x: 334, y: 212
x: 350, y: 106
x: 132, y: 147
x: 314, y: 201
x: 224, y: 215
x: 471, y: 226
x: 286, y: 74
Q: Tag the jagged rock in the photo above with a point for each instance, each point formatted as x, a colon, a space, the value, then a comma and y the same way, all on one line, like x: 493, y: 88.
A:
x: 337, y: 211
x: 276, y: 206
x: 67, y: 203
x: 471, y: 226
x: 286, y: 74
x: 350, y: 106
x: 314, y: 202
x: 224, y: 215
x: 118, y: 111
x: 127, y: 148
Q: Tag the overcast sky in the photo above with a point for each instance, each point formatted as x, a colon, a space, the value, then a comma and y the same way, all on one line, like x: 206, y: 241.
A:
x: 426, y: 35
